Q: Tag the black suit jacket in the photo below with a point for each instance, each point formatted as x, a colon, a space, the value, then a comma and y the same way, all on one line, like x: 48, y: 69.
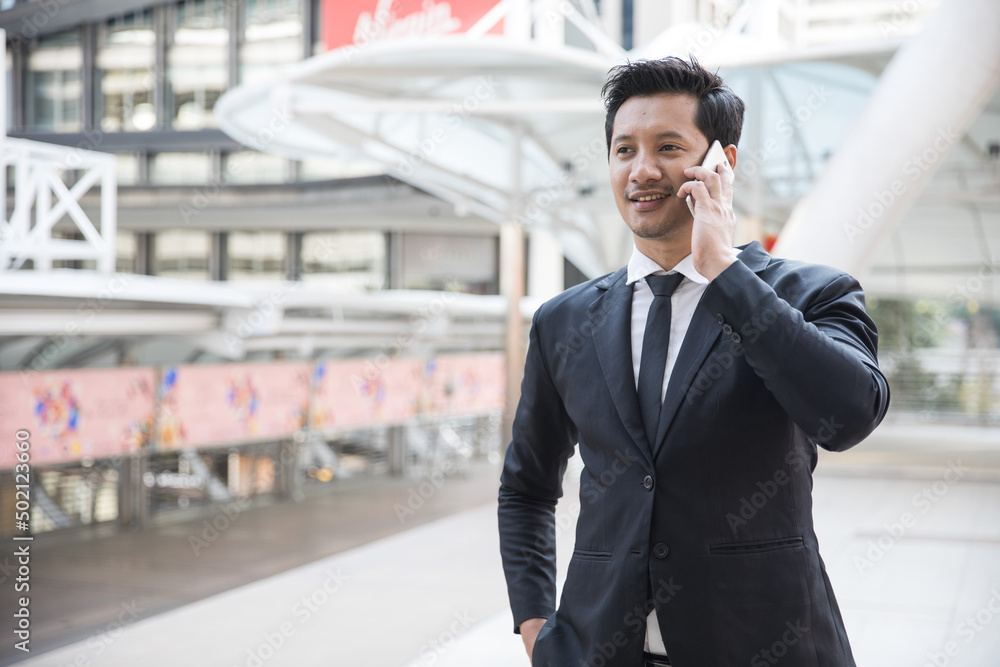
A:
x: 712, y: 522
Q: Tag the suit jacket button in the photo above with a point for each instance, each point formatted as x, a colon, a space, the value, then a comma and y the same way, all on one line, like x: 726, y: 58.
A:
x: 661, y: 550
x: 648, y: 483
x: 736, y: 338
x: 727, y: 329
x: 720, y: 319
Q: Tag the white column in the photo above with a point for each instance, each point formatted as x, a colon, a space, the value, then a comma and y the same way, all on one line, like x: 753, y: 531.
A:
x: 545, y: 265
x: 3, y: 95
x: 512, y: 287
x: 931, y: 92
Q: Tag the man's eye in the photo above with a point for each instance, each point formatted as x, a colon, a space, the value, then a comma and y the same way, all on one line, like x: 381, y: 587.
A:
x: 623, y: 149
x: 668, y: 147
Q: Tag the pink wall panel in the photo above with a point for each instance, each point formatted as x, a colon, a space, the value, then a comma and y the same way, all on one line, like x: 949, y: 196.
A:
x: 231, y: 403
x: 76, y: 414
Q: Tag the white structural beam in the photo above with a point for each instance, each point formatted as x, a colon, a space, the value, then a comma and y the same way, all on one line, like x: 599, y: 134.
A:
x: 925, y: 101
x: 41, y: 322
x: 39, y: 170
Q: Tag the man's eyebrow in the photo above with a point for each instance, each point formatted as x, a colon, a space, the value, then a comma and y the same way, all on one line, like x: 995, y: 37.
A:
x: 669, y: 134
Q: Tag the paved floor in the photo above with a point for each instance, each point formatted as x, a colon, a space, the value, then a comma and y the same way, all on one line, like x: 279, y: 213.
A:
x: 83, y: 581
x: 924, y: 593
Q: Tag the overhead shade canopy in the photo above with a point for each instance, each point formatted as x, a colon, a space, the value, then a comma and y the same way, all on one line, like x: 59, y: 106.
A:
x: 506, y: 128
x: 445, y: 114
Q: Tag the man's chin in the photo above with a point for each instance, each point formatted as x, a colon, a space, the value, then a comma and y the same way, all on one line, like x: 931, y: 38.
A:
x: 661, y: 229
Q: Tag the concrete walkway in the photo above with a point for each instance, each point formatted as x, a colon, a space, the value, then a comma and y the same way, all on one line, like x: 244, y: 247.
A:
x: 913, y: 552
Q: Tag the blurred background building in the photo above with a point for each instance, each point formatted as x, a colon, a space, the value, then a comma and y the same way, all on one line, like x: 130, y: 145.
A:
x: 272, y: 249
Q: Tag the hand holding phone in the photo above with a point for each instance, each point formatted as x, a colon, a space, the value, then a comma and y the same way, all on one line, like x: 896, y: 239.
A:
x: 713, y: 158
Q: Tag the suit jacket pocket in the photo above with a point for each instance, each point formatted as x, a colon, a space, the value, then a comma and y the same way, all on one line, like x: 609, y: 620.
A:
x: 539, y: 653
x: 596, y: 556
x: 755, y: 547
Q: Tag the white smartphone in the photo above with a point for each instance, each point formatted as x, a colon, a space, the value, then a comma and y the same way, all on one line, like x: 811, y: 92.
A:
x: 713, y: 158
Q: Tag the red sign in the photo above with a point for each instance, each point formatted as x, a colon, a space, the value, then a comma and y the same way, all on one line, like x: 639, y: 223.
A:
x: 359, y: 22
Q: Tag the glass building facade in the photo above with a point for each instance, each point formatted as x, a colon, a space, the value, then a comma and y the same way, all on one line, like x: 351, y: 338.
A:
x: 143, y: 84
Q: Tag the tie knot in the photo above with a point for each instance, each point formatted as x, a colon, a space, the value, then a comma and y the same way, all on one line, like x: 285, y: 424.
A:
x: 664, y: 285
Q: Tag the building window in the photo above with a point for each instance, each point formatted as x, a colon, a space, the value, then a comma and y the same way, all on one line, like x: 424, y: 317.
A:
x: 179, y: 169
x: 125, y: 73
x: 125, y: 251
x: 318, y: 45
x: 254, y: 167
x: 455, y: 263
x: 256, y: 255
x: 327, y: 169
x: 52, y: 84
x: 127, y: 168
x: 70, y: 232
x: 628, y: 19
x: 272, y: 38
x: 10, y: 90
x: 344, y: 259
x: 197, y: 62
x: 182, y: 253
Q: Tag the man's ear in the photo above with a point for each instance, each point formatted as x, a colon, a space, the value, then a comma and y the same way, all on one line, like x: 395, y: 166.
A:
x: 730, y: 152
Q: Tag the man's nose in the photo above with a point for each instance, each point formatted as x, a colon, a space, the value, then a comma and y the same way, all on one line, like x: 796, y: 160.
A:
x: 645, y: 168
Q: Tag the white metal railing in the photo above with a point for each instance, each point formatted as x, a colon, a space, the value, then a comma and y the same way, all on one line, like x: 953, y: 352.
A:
x: 42, y: 199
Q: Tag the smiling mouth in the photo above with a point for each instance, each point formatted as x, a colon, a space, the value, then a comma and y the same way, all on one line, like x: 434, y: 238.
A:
x: 648, y: 198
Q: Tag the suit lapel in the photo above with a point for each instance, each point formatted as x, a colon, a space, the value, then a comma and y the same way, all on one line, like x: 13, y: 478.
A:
x: 698, y: 341
x: 613, y: 342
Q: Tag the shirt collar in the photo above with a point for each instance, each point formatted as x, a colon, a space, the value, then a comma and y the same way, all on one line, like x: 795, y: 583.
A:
x: 640, y: 266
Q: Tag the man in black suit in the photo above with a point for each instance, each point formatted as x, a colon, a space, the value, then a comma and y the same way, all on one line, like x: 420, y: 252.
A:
x: 698, y: 381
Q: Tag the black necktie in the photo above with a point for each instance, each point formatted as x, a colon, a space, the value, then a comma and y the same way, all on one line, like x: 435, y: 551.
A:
x: 653, y: 361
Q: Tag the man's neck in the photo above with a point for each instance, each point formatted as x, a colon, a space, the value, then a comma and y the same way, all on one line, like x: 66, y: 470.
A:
x: 666, y: 253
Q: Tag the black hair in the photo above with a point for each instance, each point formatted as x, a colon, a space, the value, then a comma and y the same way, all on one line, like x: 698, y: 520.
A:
x: 720, y: 110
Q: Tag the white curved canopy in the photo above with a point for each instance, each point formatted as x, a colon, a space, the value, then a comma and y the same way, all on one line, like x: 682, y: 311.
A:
x: 448, y: 122
x: 514, y: 129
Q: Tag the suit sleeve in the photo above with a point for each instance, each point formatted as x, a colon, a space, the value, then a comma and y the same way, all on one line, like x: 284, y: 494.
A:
x: 530, y: 485
x: 820, y: 362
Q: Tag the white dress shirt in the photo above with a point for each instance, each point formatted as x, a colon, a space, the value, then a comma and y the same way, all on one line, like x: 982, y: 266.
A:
x: 682, y: 305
